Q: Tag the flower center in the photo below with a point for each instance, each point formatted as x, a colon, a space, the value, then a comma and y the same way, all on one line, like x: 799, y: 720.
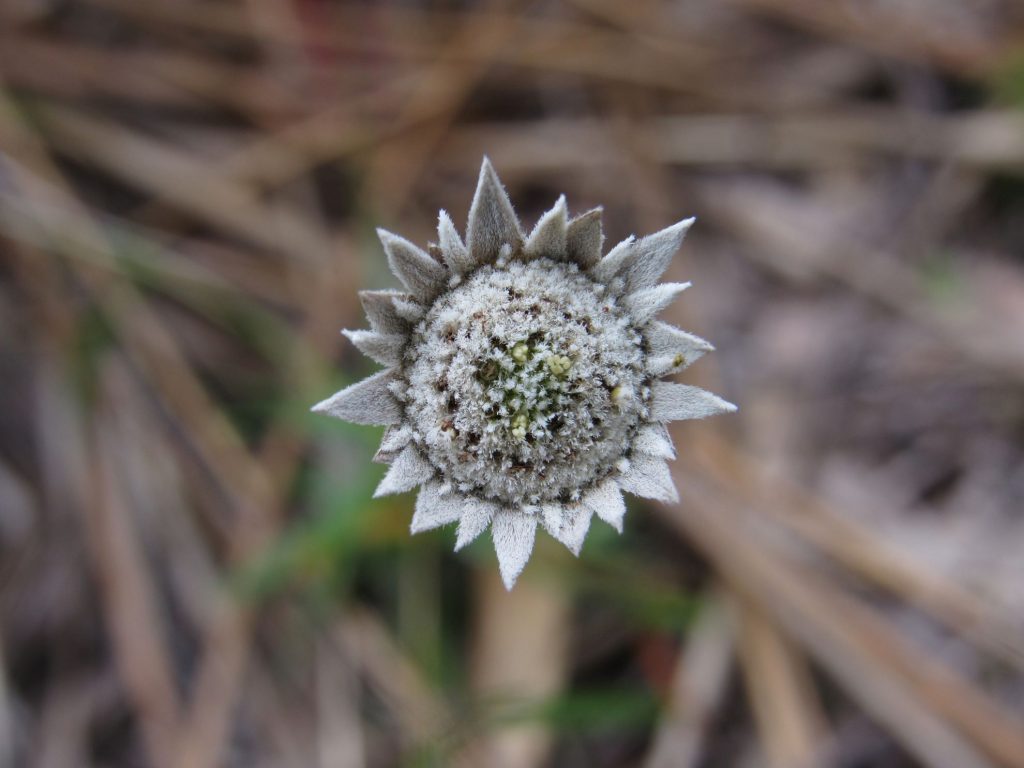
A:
x: 526, y: 383
x: 531, y: 389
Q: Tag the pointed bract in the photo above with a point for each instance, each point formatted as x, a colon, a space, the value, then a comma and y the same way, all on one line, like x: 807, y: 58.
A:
x: 386, y: 349
x: 647, y: 302
x: 395, y: 439
x: 492, y: 221
x: 380, y: 311
x: 513, y: 533
x: 613, y: 262
x: 607, y: 503
x: 670, y: 349
x: 410, y: 469
x: 648, y: 477
x: 584, y: 239
x: 672, y: 402
x: 424, y: 277
x: 476, y: 516
x: 435, y: 506
x: 651, y: 256
x: 367, y: 402
x: 654, y: 440
x: 549, y: 236
x: 409, y: 309
x: 453, y: 250
x: 567, y: 523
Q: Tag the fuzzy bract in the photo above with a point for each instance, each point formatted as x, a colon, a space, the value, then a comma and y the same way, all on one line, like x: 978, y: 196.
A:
x: 523, y: 384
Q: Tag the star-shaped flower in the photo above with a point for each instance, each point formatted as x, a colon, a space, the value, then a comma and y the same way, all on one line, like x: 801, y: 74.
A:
x: 523, y: 381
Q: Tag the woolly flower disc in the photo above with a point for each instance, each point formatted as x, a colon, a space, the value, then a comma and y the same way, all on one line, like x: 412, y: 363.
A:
x: 523, y: 375
x: 518, y: 383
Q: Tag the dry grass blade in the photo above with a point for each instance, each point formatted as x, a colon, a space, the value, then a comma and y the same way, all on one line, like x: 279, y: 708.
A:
x: 59, y: 69
x: 277, y: 157
x: 828, y: 140
x: 440, y: 91
x: 131, y: 603
x: 206, y: 724
x: 225, y: 19
x: 542, y: 44
x: 887, y: 30
x: 425, y: 717
x: 392, y: 675
x: 151, y: 345
x: 789, y: 720
x: 7, y: 741
x: 519, y: 641
x: 791, y: 236
x: 155, y: 351
x: 698, y: 686
x: 63, y: 730
x: 183, y: 181
x: 915, y: 697
x: 144, y: 336
x: 862, y: 552
x: 339, y: 726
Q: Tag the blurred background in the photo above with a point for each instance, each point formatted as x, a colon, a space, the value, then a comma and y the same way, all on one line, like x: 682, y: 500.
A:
x: 192, y: 571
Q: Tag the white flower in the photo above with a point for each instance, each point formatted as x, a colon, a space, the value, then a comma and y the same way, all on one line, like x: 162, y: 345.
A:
x: 523, y: 375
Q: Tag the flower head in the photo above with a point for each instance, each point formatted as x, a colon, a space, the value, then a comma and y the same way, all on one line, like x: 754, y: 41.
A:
x: 523, y: 381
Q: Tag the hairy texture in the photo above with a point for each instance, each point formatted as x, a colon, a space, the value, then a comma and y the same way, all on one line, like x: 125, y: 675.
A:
x: 525, y: 383
x: 436, y: 506
x: 647, y: 302
x: 513, y: 533
x: 649, y: 478
x: 607, y: 503
x: 673, y: 402
x: 453, y: 252
x: 493, y: 224
x: 368, y: 402
x: 419, y: 273
x: 476, y: 516
x: 650, y: 256
x: 584, y: 239
x: 385, y: 349
x: 395, y: 439
x: 670, y: 350
x: 548, y: 239
x: 655, y: 441
x: 409, y: 469
x: 568, y: 524
x: 523, y: 386
x: 381, y: 312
